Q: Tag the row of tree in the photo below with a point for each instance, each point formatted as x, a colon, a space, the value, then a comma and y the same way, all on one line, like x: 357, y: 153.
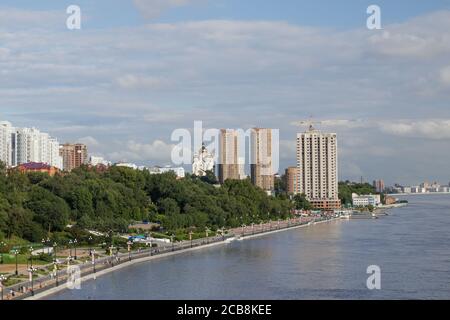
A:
x: 34, y: 205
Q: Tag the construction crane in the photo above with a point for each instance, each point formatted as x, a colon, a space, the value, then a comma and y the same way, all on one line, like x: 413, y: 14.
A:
x: 306, y: 123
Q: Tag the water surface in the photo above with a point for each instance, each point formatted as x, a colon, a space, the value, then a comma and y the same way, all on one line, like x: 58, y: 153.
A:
x: 325, y: 261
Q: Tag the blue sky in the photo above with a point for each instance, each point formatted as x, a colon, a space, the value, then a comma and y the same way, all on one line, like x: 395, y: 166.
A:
x: 138, y: 69
x: 322, y: 13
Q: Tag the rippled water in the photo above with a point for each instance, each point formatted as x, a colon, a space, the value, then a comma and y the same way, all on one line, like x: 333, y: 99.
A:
x: 326, y: 261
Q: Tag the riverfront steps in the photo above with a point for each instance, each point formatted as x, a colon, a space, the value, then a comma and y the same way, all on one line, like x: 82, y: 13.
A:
x: 44, y: 286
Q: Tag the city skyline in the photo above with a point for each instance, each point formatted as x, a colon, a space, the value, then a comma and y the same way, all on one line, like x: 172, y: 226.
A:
x: 243, y: 168
x: 138, y: 70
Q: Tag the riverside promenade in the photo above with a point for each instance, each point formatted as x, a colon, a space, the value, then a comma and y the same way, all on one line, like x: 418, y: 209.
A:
x: 67, y: 278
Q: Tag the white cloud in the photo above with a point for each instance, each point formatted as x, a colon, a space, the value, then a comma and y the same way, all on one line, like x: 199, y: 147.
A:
x: 429, y: 129
x: 421, y: 37
x: 91, y: 142
x: 434, y: 129
x: 140, y: 82
x: 445, y: 75
x: 13, y: 18
x: 127, y: 83
x: 157, y: 151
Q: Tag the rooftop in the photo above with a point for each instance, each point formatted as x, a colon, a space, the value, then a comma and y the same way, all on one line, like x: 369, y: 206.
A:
x: 35, y: 166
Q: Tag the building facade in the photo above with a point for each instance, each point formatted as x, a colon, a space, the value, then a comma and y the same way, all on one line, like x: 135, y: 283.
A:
x: 95, y: 161
x: 261, y: 167
x: 25, y: 145
x: 366, y: 200
x: 37, y: 167
x: 379, y: 186
x: 8, y: 135
x: 229, y: 164
x: 317, y: 162
x: 292, y: 177
x: 179, y: 171
x: 203, y: 162
x: 73, y: 155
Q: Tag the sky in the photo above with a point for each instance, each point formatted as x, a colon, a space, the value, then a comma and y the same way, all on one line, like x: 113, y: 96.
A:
x: 139, y: 69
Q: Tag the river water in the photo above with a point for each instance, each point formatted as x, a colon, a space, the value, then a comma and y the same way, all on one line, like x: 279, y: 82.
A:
x: 326, y: 261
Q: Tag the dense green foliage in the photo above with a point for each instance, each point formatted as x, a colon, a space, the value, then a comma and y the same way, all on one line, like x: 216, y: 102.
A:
x: 35, y: 205
x: 347, y: 188
x: 301, y: 203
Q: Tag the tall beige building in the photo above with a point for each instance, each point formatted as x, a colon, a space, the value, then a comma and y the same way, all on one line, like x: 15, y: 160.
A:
x: 261, y: 166
x: 292, y: 176
x: 229, y: 161
x: 317, y: 164
x: 74, y: 155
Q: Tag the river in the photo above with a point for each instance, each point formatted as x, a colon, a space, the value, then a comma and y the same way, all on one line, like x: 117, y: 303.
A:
x: 325, y: 261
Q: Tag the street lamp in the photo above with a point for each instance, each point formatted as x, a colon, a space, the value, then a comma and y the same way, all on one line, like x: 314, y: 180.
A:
x: 75, y: 247
x: 190, y: 237
x: 31, y: 256
x: 171, y: 239
x: 93, y: 259
x: 207, y: 233
x: 70, y: 247
x: 111, y: 254
x: 55, y: 269
x: 90, y: 245
x: 129, y: 243
x: 54, y: 249
x: 16, y: 252
x: 31, y: 271
x: 2, y: 278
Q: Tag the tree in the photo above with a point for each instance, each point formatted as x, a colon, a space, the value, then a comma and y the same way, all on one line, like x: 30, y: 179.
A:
x: 50, y: 211
x: 209, y: 178
x: 301, y: 203
x: 81, y: 203
x: 280, y: 185
x: 346, y: 189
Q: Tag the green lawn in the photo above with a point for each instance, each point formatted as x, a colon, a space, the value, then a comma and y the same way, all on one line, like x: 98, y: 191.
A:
x: 21, y: 259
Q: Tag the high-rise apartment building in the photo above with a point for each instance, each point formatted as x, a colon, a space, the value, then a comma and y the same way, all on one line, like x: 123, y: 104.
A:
x: 292, y: 176
x: 7, y: 144
x: 73, y: 155
x: 28, y: 145
x: 261, y: 169
x: 35, y: 146
x: 229, y: 162
x: 317, y: 162
x: 379, y: 185
x: 25, y: 145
